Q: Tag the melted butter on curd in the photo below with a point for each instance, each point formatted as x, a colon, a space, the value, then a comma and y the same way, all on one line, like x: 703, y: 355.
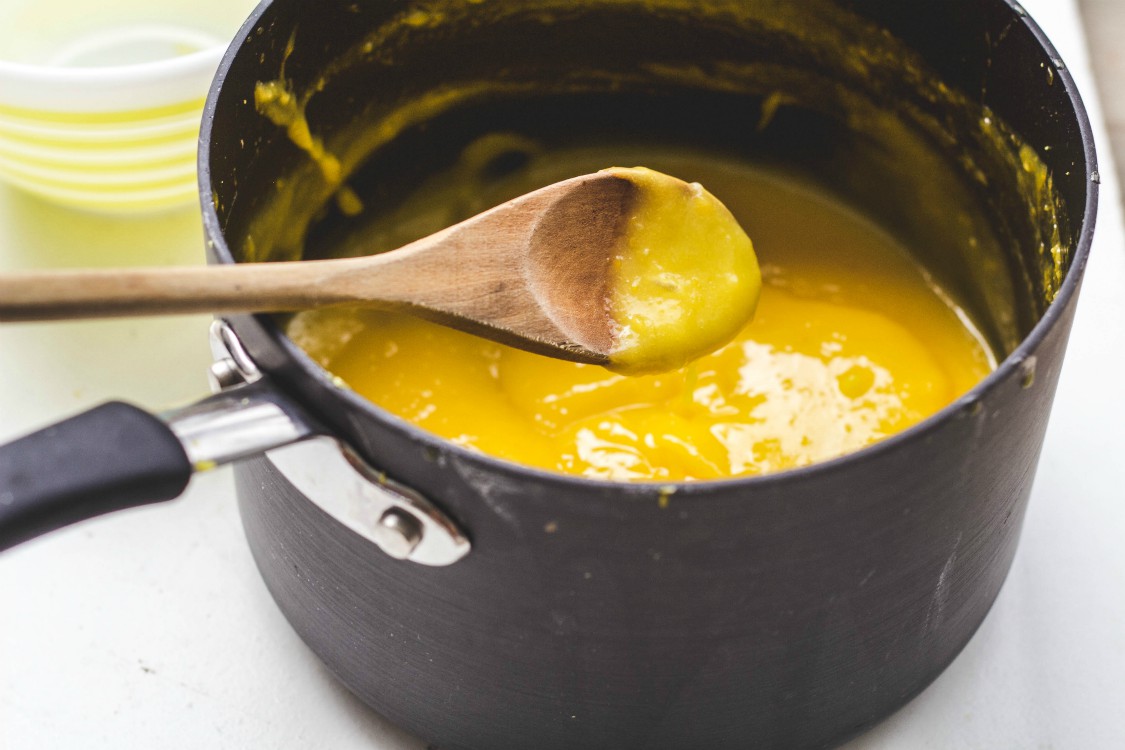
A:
x: 687, y: 280
x: 851, y: 343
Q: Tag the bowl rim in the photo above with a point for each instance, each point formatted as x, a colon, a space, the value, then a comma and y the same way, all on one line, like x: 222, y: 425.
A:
x: 1010, y: 367
x: 112, y: 88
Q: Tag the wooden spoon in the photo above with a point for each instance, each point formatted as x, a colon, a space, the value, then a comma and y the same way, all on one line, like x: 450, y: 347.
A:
x: 534, y: 273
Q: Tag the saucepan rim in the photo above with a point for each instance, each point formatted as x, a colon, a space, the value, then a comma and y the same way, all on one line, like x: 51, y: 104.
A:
x: 921, y: 431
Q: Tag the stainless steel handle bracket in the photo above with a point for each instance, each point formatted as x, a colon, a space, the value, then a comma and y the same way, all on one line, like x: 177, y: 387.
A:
x: 248, y: 417
x: 403, y: 523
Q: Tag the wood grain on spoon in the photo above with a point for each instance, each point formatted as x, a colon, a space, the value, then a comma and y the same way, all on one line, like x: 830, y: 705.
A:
x: 537, y: 273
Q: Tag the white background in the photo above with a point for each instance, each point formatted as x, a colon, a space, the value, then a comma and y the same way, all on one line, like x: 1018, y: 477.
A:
x: 151, y: 629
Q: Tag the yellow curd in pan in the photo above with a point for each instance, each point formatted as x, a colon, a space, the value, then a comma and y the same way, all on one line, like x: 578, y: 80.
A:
x: 851, y: 342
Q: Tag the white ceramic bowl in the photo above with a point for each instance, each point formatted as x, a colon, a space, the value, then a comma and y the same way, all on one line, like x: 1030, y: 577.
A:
x: 100, y: 102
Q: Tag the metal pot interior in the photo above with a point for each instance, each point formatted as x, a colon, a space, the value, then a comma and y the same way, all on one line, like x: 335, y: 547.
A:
x: 917, y: 130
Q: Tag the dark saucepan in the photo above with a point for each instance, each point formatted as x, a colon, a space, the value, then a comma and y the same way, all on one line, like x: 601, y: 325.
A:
x: 791, y: 610
x: 787, y: 611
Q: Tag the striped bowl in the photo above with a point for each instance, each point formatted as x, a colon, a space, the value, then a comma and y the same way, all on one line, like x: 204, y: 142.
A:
x: 102, y: 112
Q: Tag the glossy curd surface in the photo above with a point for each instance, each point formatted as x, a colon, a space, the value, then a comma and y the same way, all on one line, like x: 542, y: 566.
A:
x: 684, y: 281
x: 851, y: 342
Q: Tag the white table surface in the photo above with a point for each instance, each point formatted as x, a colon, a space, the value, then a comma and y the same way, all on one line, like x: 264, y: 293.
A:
x: 152, y: 629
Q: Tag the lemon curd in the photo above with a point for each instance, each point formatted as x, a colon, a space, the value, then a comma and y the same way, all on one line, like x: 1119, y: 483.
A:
x: 851, y: 342
x: 686, y: 281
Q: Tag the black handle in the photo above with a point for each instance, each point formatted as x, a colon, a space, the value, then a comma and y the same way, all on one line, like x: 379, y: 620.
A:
x: 112, y: 457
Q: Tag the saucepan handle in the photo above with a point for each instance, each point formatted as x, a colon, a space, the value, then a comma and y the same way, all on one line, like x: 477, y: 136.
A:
x: 117, y: 456
x: 112, y: 457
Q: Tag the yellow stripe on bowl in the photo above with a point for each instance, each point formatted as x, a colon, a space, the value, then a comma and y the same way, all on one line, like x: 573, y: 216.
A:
x: 117, y: 162
x: 155, y: 131
x: 150, y: 174
x: 131, y: 201
x: 97, y: 119
x: 114, y: 157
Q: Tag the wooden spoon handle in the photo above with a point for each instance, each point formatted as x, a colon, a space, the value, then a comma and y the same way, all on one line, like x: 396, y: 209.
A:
x: 256, y: 287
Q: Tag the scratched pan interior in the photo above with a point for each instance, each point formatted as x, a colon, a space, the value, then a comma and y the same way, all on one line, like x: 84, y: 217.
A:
x: 792, y: 610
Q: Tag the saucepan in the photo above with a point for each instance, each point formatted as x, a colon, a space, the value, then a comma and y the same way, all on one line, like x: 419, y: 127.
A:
x: 481, y: 604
